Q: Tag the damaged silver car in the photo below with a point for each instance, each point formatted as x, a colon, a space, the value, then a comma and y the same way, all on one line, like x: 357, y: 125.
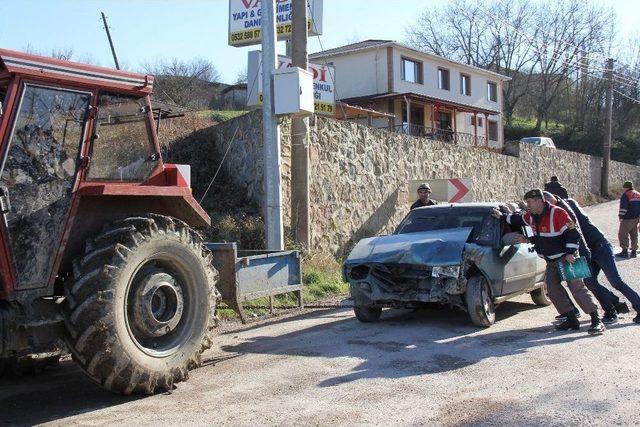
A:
x: 458, y: 255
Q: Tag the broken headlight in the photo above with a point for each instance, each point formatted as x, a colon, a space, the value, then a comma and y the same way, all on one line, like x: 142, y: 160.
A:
x: 446, y: 271
x: 359, y: 272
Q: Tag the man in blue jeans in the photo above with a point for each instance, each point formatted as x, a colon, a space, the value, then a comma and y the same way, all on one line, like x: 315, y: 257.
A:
x: 602, y: 258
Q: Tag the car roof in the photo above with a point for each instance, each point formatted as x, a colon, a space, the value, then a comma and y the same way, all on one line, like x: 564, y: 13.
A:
x: 486, y: 205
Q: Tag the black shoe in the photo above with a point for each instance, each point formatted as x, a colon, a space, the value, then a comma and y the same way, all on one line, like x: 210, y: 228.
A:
x: 623, y: 254
x: 610, y: 318
x: 563, y: 317
x: 622, y: 307
x: 597, y: 327
x: 633, y: 254
x: 571, y: 322
x: 637, y: 318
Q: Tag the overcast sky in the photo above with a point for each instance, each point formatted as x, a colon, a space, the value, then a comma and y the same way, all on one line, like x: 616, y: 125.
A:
x: 145, y: 31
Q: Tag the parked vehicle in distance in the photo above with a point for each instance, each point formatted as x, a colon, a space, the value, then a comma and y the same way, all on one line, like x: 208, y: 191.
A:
x: 449, y: 254
x: 540, y: 141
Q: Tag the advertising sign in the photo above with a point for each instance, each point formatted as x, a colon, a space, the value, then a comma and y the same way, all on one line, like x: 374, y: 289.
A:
x: 452, y: 190
x: 244, y: 20
x: 323, y: 90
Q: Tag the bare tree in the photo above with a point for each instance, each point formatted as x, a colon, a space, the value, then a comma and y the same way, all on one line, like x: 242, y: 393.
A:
x: 563, y: 31
x: 513, y: 53
x: 458, y: 31
x: 241, y: 77
x: 483, y: 34
x: 187, y: 83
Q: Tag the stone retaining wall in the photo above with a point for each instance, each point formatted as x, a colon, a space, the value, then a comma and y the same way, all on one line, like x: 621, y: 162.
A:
x: 360, y: 175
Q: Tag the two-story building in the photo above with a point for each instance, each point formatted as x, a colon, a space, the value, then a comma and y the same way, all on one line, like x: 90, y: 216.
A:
x: 444, y: 99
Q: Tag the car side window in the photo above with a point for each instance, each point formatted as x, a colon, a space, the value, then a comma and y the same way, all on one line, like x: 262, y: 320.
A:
x: 488, y: 232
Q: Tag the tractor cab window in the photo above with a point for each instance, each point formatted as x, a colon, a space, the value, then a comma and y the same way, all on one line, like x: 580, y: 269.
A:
x: 122, y: 147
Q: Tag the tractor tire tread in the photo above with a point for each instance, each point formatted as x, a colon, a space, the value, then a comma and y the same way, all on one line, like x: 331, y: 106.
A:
x: 89, y: 322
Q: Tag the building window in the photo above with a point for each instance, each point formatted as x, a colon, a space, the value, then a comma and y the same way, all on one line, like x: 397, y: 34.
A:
x: 493, y: 130
x: 473, y: 121
x: 492, y: 91
x: 465, y: 84
x: 411, y: 71
x: 443, y: 79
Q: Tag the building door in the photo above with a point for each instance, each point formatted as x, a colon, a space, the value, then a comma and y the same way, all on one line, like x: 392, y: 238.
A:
x: 444, y: 120
x: 417, y: 119
x: 493, y: 130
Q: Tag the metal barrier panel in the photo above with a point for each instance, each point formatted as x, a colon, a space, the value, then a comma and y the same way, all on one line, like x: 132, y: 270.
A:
x: 261, y: 274
x: 266, y: 275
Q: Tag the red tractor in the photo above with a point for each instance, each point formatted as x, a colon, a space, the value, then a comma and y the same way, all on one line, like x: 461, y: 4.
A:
x: 97, y: 248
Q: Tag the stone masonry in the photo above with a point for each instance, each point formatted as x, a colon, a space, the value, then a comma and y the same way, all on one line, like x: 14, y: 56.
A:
x: 360, y: 175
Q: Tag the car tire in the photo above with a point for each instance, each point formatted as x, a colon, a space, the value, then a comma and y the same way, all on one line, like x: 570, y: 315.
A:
x: 367, y: 313
x: 480, y: 302
x: 539, y: 296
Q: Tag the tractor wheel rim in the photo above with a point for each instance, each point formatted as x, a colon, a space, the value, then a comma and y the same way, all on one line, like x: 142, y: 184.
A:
x: 160, y: 306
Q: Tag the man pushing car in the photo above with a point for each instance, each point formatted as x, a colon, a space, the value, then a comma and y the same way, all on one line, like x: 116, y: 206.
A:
x: 556, y: 239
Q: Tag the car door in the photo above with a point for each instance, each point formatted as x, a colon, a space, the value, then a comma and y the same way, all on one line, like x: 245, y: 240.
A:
x: 521, y: 269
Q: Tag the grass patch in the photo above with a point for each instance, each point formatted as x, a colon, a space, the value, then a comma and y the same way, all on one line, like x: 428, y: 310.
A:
x: 322, y: 278
x: 219, y: 115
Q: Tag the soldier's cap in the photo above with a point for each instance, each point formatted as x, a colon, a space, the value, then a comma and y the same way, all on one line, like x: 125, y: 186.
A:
x: 536, y: 193
x: 424, y: 186
x: 627, y: 184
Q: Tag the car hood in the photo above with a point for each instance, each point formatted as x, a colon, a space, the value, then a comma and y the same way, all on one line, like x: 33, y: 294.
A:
x: 430, y: 248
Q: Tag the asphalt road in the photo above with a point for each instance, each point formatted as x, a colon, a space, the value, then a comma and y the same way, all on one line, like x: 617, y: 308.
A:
x: 427, y: 367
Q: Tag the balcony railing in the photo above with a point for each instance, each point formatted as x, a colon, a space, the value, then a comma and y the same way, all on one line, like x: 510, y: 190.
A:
x: 458, y: 138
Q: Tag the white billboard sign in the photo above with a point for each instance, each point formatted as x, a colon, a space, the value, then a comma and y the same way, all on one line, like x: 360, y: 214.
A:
x: 323, y: 88
x: 244, y: 20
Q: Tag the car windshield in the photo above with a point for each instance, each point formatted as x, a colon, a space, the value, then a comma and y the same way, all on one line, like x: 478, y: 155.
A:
x: 437, y: 218
x: 531, y: 140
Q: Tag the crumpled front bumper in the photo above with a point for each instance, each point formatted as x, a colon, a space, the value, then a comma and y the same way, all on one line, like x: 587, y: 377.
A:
x: 401, y: 285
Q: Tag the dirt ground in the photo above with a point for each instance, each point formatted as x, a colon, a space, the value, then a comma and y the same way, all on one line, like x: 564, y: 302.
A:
x: 428, y: 367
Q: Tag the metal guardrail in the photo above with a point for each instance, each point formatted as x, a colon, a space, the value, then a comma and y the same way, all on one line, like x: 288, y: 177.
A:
x: 437, y: 134
x: 248, y: 275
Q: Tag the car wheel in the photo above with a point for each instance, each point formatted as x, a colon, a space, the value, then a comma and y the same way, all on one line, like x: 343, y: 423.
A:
x: 539, y: 296
x: 479, y: 302
x: 367, y: 313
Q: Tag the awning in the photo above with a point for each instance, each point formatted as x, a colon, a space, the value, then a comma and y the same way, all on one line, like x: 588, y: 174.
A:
x: 346, y: 111
x: 422, y: 98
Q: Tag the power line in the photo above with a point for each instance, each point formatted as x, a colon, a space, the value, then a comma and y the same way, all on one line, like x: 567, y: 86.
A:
x: 621, y: 79
x: 627, y: 96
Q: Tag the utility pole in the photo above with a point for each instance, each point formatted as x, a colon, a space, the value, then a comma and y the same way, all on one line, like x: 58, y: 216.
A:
x: 299, y: 128
x: 113, y: 50
x: 270, y: 131
x: 606, y: 145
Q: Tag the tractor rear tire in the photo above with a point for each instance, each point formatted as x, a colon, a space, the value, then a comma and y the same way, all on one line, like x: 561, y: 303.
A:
x: 141, y: 308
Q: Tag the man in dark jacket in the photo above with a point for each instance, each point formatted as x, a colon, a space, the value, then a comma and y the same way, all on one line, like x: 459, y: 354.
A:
x: 556, y: 239
x: 554, y: 187
x: 424, y: 191
x: 629, y: 216
x: 593, y: 246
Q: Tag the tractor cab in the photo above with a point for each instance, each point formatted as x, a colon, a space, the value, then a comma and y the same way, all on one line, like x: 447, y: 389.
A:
x: 72, y: 138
